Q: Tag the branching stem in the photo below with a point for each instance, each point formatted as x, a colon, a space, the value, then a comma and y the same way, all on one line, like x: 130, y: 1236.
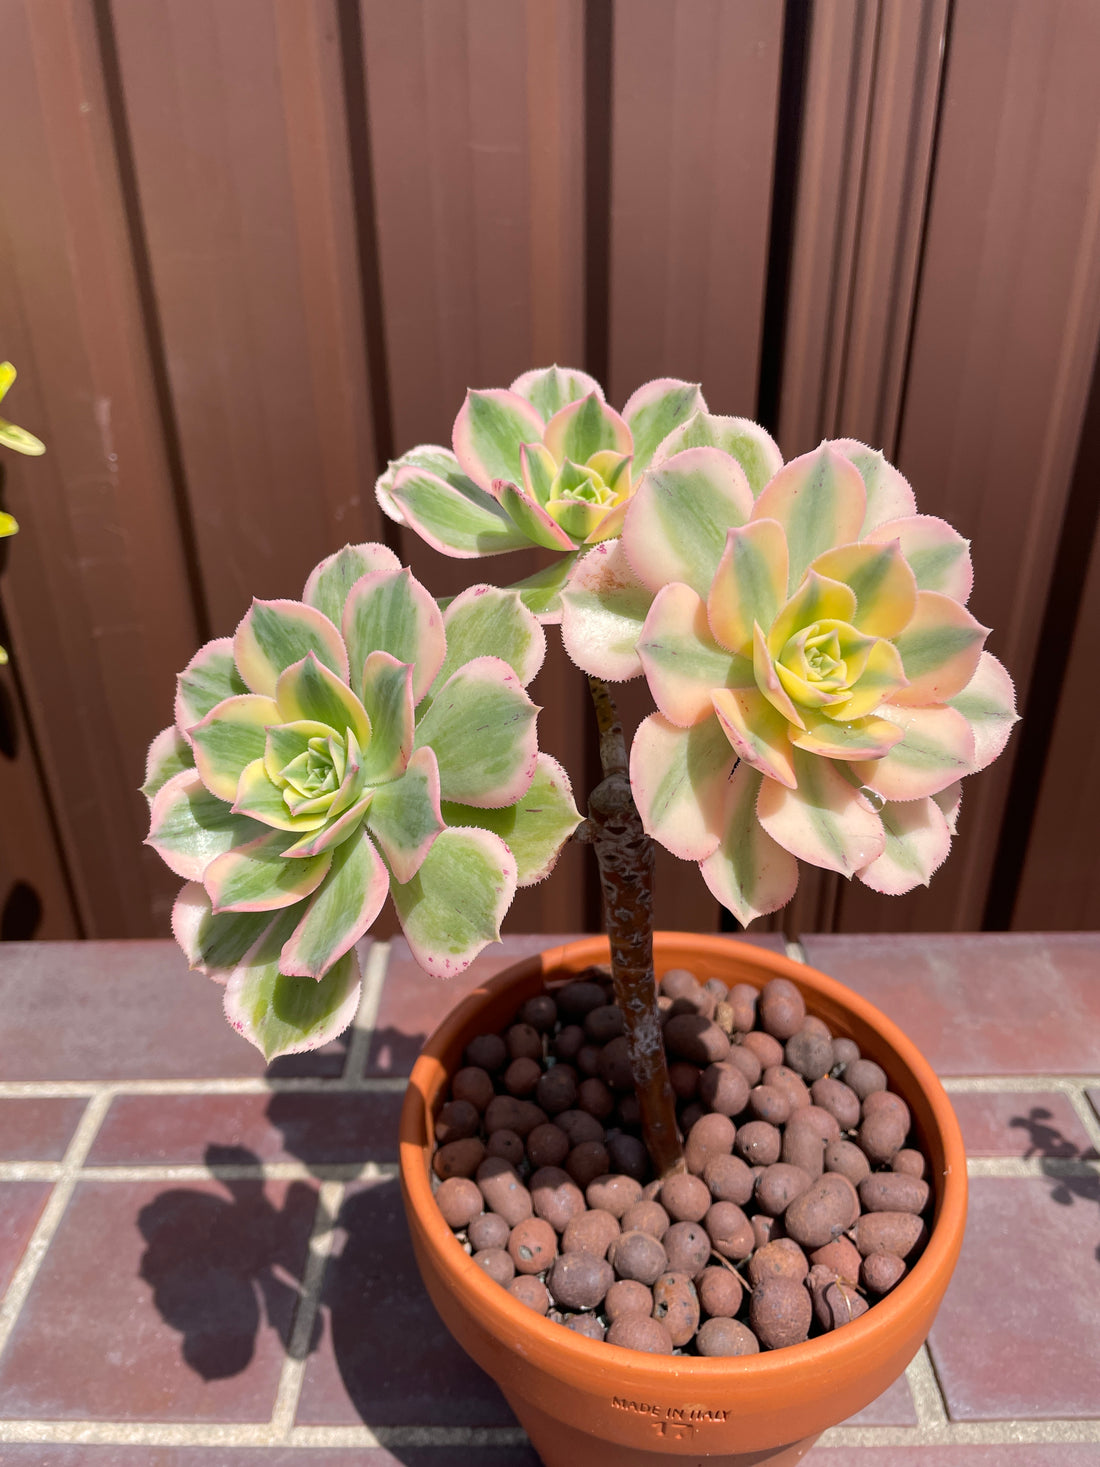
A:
x: 625, y: 856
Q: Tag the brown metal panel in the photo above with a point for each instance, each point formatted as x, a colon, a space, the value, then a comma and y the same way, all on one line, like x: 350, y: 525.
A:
x: 96, y: 593
x: 694, y: 96
x: 1005, y: 334
x: 1059, y: 884
x: 873, y: 76
x: 236, y: 113
x: 35, y: 899
x: 477, y: 131
x: 694, y: 104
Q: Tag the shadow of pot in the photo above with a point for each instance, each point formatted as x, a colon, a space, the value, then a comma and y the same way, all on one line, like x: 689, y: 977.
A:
x: 587, y: 1404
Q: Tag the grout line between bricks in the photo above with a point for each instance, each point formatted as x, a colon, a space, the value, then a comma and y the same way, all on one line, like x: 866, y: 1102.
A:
x: 35, y: 1251
x: 307, y: 1085
x: 1086, y: 1115
x: 329, y: 1201
x: 966, y: 1434
x: 924, y: 1387
x: 991, y: 1084
x: 1030, y: 1166
x: 365, y: 1019
x: 269, y: 1171
x: 196, y: 1434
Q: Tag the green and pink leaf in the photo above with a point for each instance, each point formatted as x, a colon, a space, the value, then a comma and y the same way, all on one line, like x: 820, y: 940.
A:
x: 937, y: 554
x: 309, y: 692
x: 936, y: 749
x: 757, y: 732
x: 754, y: 449
x: 682, y: 661
x: 988, y: 703
x: 461, y: 520
x: 603, y: 609
x: 940, y: 650
x: 750, y: 584
x: 654, y: 410
x: 825, y: 820
x: 404, y: 815
x: 749, y: 873
x: 214, y: 942
x: 169, y: 754
x: 918, y: 839
x: 208, y: 679
x: 330, y: 582
x: 535, y: 828
x: 488, y: 432
x: 678, y: 776
x: 481, y: 725
x: 549, y: 389
x: 884, y: 585
x: 585, y: 428
x: 679, y: 516
x: 454, y: 905
x: 257, y: 877
x: 189, y: 827
x: 889, y: 493
x: 340, y: 911
x: 820, y: 501
x: 392, y: 612
x: 231, y: 737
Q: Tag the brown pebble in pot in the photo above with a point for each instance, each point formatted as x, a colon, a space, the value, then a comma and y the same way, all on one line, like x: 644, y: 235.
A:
x: 726, y: 1337
x: 524, y: 1042
x: 508, y: 1146
x: 781, y: 1008
x: 879, y: 1272
x: 777, y: 1187
x: 497, y: 1263
x: 782, y: 1077
x: 532, y: 1245
x: 638, y: 1256
x: 567, y: 1043
x: 521, y: 1077
x: 580, y: 1280
x: 557, y: 1089
x: 723, y: 1088
x: 864, y: 1076
x: 890, y: 1232
x: 459, y: 1158
x: 687, y: 1247
x: 595, y: 1097
x: 694, y: 1038
x: 628, y: 1156
x: 614, y: 1064
x: 893, y: 1192
x: 506, y: 1113
x: 909, y: 1162
x: 780, y: 1313
x: 627, y: 1296
x: 530, y: 1291
x: 685, y: 1197
x: 540, y: 1012
x: 586, y: 1162
x: 744, y: 1060
x: 823, y: 1212
x: 577, y: 999
x: 587, y: 1325
x: 503, y: 1191
x: 640, y: 1332
x: 846, y: 1157
x: 841, y: 1256
x: 459, y: 1200
x: 769, y: 1104
x: 613, y: 1193
x: 456, y: 1121
x: 487, y: 1052
x: 555, y: 1196
x: 809, y: 1053
x: 579, y: 1126
x: 720, y: 1291
x: 547, y: 1145
x: 604, y: 1024
x: 729, y: 1231
x: 593, y: 1232
x: 646, y: 1217
x: 780, y: 1259
x: 711, y: 1135
x: 676, y: 1304
x: 729, y: 1179
x: 767, y: 1050
x: 844, y: 1052
x: 803, y: 1146
x: 473, y: 1084
x: 489, y: 1230
x: 881, y: 1136
x: 758, y: 1143
x: 840, y: 1100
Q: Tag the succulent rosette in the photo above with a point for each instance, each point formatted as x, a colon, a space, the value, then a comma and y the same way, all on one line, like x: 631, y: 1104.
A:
x: 545, y: 462
x: 354, y: 744
x: 821, y: 687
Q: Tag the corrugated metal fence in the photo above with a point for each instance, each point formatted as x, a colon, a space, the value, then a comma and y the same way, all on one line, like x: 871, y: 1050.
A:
x: 251, y: 248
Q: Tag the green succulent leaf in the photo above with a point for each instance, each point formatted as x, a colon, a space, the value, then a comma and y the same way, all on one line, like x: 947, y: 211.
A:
x: 460, y: 521
x: 340, y: 911
x: 535, y: 828
x: 281, y: 1014
x: 481, y: 725
x: 213, y: 941
x: 208, y: 679
x: 189, y: 827
x: 169, y: 754
x: 274, y: 635
x: 549, y: 389
x: 329, y: 583
x: 484, y: 621
x: 454, y: 904
x: 404, y: 815
x: 392, y: 612
x: 258, y: 877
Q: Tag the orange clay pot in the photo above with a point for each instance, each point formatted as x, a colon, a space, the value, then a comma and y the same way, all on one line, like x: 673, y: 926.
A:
x: 587, y: 1404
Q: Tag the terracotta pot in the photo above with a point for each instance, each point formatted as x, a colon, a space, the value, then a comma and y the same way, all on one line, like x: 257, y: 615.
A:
x: 584, y: 1403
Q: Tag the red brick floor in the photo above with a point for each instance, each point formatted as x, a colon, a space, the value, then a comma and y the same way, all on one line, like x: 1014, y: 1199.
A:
x: 203, y: 1264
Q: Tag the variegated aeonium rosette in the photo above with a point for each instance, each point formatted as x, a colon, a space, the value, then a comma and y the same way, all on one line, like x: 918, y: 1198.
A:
x: 547, y: 463
x: 821, y: 687
x: 355, y: 744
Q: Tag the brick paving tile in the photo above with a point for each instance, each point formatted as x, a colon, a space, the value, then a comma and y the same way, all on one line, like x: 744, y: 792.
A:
x: 161, y: 1302
x: 21, y: 1205
x: 384, y: 1358
x: 893, y: 1408
x: 981, y: 1004
x: 37, y: 1127
x: 122, y: 1010
x: 181, y: 1129
x: 1016, y: 1337
x: 1022, y: 1123
x: 1045, y: 1454
x: 412, y: 1003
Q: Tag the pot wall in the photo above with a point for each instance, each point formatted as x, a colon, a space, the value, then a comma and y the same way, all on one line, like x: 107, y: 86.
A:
x: 622, y: 1406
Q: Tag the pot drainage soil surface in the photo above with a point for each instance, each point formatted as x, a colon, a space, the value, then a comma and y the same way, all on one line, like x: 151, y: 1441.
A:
x: 803, y: 1194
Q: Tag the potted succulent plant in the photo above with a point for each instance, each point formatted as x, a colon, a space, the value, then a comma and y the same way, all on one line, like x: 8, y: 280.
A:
x: 820, y: 690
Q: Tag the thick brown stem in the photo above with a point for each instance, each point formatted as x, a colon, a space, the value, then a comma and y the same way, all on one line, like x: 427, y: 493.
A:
x: 625, y: 856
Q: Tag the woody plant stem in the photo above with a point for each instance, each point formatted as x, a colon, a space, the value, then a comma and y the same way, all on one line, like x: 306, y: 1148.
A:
x: 625, y: 856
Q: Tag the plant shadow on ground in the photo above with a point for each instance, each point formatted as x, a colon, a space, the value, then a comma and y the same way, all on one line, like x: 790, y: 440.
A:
x: 1056, y: 1153
x: 223, y: 1267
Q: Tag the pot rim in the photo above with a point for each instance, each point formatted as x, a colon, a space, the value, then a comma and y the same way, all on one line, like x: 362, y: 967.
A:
x: 828, y: 1355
